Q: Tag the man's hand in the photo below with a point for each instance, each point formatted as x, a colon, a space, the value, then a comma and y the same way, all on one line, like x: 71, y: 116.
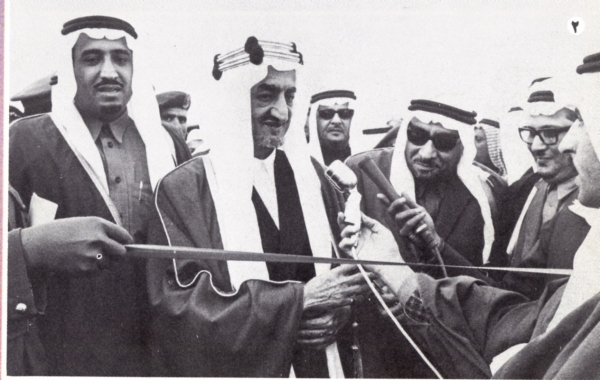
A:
x: 78, y: 246
x: 408, y: 220
x: 392, y: 303
x: 375, y: 242
x: 319, y: 332
x: 333, y: 289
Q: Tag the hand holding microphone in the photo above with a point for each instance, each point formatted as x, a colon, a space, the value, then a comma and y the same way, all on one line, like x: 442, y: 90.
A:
x: 409, y: 217
x: 414, y: 222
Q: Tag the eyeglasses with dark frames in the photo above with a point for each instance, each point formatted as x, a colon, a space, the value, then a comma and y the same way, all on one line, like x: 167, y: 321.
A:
x: 548, y: 135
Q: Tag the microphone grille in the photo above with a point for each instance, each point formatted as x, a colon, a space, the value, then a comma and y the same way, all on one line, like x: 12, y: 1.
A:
x: 341, y: 176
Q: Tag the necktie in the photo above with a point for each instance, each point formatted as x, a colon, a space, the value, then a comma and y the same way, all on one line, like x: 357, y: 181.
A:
x: 551, y: 204
x: 530, y: 227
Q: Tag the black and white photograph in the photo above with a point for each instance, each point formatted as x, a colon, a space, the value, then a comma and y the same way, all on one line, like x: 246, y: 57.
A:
x: 308, y: 189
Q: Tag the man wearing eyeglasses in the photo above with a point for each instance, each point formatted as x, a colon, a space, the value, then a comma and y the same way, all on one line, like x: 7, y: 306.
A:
x: 546, y: 233
x: 431, y: 166
x: 330, y: 117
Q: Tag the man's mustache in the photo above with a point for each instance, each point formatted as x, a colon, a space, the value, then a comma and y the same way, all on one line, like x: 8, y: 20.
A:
x: 272, y: 120
x: 108, y: 82
x: 429, y: 162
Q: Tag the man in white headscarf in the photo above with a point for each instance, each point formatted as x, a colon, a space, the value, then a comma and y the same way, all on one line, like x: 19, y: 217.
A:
x: 465, y: 325
x: 257, y: 192
x: 543, y: 232
x: 97, y: 155
x: 432, y: 164
x: 330, y: 119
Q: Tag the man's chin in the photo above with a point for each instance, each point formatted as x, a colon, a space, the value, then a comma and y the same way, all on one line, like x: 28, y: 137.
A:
x: 272, y: 142
x: 111, y: 109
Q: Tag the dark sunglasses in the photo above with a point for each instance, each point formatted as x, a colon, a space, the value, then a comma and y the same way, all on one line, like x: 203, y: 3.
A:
x: 549, y: 136
x: 328, y: 114
x: 443, y: 143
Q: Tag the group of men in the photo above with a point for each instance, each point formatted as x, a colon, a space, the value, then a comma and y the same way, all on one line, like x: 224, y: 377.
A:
x: 102, y: 171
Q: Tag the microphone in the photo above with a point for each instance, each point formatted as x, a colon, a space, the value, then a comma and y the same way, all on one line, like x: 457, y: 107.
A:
x: 421, y: 231
x: 344, y: 180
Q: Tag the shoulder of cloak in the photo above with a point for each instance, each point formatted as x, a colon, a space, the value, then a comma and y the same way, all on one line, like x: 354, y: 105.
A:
x: 182, y: 152
x: 184, y: 193
x: 183, y: 179
x: 42, y: 162
x: 34, y: 122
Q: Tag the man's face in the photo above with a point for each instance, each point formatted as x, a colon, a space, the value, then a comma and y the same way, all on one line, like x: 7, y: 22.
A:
x: 175, y: 118
x: 577, y: 144
x: 333, y: 123
x: 552, y: 165
x: 272, y: 100
x: 103, y: 72
x: 424, y: 160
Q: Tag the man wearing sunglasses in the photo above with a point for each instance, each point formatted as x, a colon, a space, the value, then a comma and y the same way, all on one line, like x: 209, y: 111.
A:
x: 431, y: 165
x: 330, y: 118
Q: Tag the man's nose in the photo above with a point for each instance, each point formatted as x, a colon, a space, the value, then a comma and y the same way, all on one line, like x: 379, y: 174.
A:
x: 336, y: 119
x: 280, y: 109
x: 537, y: 145
x: 108, y: 69
x: 428, y: 150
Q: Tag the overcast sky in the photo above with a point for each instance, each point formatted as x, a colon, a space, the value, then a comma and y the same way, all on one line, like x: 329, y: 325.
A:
x: 482, y: 53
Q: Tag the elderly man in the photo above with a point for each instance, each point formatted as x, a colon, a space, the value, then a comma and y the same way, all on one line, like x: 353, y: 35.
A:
x: 465, y: 325
x: 98, y: 155
x: 330, y: 118
x: 259, y: 192
x: 174, y: 107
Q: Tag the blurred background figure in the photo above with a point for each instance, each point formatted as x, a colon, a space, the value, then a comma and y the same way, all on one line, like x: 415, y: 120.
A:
x: 35, y: 98
x: 489, y: 150
x: 174, y: 106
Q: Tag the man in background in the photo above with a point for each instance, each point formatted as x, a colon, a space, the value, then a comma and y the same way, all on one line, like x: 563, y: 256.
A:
x: 174, y: 106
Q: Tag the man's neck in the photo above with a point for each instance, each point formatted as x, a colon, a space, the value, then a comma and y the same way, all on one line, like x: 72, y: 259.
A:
x: 100, y: 117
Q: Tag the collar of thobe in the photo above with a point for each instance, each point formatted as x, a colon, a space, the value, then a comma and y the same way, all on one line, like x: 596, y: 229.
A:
x: 264, y: 183
x: 565, y: 188
x: 117, y: 127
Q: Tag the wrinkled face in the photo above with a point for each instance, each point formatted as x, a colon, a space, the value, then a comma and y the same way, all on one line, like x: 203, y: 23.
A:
x: 175, y: 118
x: 552, y: 165
x: 426, y: 161
x: 333, y: 123
x: 577, y: 144
x: 103, y: 72
x: 272, y: 100
x: 483, y: 154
